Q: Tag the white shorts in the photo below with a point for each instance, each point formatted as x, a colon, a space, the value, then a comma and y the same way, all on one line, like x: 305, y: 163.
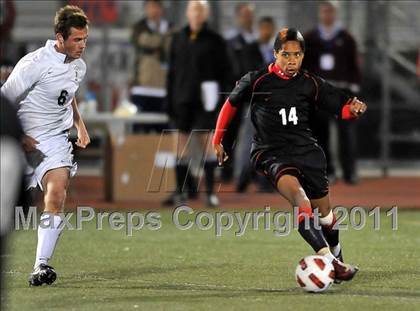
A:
x: 52, y: 153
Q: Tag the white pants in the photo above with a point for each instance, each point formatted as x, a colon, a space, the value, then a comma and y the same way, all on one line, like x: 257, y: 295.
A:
x: 55, y: 152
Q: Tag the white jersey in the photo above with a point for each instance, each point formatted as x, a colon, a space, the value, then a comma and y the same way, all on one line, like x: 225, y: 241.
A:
x: 44, y: 86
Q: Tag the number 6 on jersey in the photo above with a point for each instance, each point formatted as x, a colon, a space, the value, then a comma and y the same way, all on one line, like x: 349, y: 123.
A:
x: 291, y: 118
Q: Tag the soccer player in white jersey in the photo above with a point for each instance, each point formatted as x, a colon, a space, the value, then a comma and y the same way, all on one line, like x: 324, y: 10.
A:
x: 43, y: 85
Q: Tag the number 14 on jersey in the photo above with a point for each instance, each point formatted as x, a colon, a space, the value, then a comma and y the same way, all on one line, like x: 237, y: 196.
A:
x: 292, y: 117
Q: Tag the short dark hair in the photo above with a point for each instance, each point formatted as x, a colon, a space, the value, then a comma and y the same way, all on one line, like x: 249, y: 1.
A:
x: 266, y: 19
x: 67, y: 17
x: 288, y: 34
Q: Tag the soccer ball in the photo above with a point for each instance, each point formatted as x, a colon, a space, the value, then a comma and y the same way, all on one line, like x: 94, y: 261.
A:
x: 315, y: 274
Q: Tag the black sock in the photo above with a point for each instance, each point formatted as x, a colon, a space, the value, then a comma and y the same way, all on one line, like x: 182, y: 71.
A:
x: 181, y: 171
x: 331, y: 235
x: 209, y: 167
x: 191, y: 185
x: 312, y: 236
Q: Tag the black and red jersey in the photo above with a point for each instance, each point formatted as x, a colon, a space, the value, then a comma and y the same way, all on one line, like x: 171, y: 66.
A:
x: 281, y: 107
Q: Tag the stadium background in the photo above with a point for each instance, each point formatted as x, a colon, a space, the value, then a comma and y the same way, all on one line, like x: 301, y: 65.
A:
x: 387, y: 34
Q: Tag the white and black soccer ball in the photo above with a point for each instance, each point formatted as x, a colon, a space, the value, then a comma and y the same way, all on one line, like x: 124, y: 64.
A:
x: 315, y: 274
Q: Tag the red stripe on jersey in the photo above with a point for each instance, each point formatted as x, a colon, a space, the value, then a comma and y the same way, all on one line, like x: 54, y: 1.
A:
x: 320, y: 263
x: 280, y: 173
x: 316, y: 281
x: 316, y: 84
x: 259, y: 79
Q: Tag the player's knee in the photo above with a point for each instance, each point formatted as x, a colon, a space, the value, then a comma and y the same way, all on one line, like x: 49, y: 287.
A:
x: 299, y: 196
x: 290, y: 187
x: 54, y: 199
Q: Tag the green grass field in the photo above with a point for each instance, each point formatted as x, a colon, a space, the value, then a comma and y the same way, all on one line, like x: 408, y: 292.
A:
x: 171, y: 269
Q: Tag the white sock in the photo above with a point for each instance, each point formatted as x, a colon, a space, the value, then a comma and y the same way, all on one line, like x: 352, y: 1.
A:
x: 327, y: 220
x: 47, y: 238
x: 327, y: 253
x: 336, y: 250
x: 330, y: 256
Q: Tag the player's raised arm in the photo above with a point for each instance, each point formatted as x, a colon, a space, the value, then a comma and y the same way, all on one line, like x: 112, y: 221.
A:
x: 83, y: 138
x: 241, y: 93
x: 337, y: 102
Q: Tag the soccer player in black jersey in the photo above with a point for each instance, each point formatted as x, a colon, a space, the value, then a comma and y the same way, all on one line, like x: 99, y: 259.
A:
x: 282, y: 99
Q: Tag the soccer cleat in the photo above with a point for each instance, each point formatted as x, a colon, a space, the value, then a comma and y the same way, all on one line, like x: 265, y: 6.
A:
x: 343, y: 272
x: 175, y: 199
x: 169, y: 201
x: 340, y: 259
x: 43, y: 274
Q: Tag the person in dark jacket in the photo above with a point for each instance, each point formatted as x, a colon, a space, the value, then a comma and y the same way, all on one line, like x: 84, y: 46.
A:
x: 150, y: 38
x: 11, y: 172
x: 198, y: 72
x: 260, y: 53
x: 238, y: 39
x: 254, y: 55
x: 332, y: 54
x: 242, y: 36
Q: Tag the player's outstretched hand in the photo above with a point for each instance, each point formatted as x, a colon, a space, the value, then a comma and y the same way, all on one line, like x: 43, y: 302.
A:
x: 83, y: 138
x: 220, y: 153
x: 29, y: 143
x: 357, y: 108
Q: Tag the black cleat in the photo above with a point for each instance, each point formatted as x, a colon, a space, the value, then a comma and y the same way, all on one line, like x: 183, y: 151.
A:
x: 177, y: 199
x: 43, y: 274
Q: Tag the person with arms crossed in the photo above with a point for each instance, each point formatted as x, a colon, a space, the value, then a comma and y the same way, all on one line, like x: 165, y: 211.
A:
x: 43, y: 85
x: 282, y: 99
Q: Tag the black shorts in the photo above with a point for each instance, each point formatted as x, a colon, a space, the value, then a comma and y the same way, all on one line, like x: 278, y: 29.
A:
x: 309, y: 167
x: 189, y: 118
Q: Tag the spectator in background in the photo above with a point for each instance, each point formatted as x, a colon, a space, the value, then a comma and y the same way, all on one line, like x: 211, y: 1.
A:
x: 259, y: 53
x: 7, y: 20
x: 332, y: 54
x: 11, y: 173
x: 150, y: 38
x: 241, y: 36
x: 244, y: 34
x: 254, y: 56
x: 198, y: 71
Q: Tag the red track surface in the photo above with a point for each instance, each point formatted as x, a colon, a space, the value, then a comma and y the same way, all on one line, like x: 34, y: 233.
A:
x: 403, y: 192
